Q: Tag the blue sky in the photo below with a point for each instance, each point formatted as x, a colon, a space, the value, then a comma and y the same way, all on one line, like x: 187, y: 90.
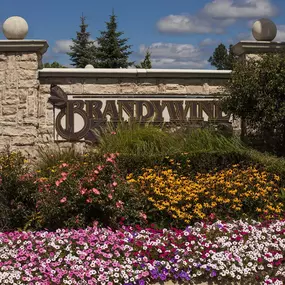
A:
x: 179, y: 33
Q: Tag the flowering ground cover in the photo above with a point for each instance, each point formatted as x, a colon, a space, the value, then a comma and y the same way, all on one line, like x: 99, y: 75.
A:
x: 237, y: 251
x: 181, y: 219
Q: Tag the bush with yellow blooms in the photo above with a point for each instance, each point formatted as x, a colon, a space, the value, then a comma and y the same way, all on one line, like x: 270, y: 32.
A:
x: 232, y: 193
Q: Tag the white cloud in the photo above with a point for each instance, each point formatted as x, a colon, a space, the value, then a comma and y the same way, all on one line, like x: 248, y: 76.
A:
x: 172, y: 50
x: 216, y: 16
x: 62, y: 46
x: 186, y: 24
x: 237, y: 9
x: 208, y: 42
x: 171, y: 55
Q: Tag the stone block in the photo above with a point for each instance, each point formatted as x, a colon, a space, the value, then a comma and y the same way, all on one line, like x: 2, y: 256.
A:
x: 23, y: 93
x: 127, y: 88
x: 11, y: 56
x: 68, y: 89
x: 3, y: 65
x: 32, y: 65
x: 28, y: 57
x: 20, y: 116
x: 147, y: 89
x: 31, y: 83
x: 49, y: 117
x: 5, y: 141
x: 31, y: 105
x: 44, y: 88
x: 42, y: 108
x: 216, y: 90
x: 27, y: 74
x: 49, y: 106
x: 9, y: 110
x: 77, y: 88
x: 31, y: 121
x: 45, y: 130
x: 10, y: 94
x: 9, y: 120
x: 23, y: 140
x: 12, y: 101
x: 100, y: 89
x: 2, y: 76
x: 172, y: 89
x: 11, y: 79
x: 15, y: 131
x: 161, y: 88
x: 196, y: 89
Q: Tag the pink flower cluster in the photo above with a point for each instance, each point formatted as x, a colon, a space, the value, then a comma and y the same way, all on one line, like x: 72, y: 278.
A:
x: 236, y: 251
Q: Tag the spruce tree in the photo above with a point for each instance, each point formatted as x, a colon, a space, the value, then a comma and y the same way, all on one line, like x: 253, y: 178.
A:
x: 146, y: 63
x: 232, y: 58
x: 83, y: 50
x: 113, y: 51
x: 223, y: 58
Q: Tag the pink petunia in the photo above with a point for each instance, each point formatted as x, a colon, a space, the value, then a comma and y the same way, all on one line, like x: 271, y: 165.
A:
x: 95, y: 191
x: 119, y: 204
x: 63, y: 200
x: 58, y: 182
x: 89, y: 200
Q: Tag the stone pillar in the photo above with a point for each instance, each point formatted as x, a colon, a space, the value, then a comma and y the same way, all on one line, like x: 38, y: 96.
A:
x: 264, y: 31
x: 253, y: 49
x: 19, y: 85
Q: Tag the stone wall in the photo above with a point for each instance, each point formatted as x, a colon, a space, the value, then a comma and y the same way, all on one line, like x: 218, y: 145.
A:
x: 26, y: 118
x: 19, y: 87
x: 137, y: 82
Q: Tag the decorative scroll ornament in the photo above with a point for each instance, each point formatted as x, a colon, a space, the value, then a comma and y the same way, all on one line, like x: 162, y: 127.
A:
x: 58, y: 97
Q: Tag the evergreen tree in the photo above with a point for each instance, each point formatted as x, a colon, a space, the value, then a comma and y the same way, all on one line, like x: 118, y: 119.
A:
x: 55, y: 64
x: 113, y: 51
x: 83, y: 51
x: 232, y: 59
x: 223, y: 58
x: 146, y: 63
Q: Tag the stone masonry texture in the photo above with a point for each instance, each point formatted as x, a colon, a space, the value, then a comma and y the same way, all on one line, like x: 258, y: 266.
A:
x: 26, y: 118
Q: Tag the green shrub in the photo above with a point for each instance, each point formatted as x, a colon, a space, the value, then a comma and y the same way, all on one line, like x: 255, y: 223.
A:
x: 16, y: 191
x: 199, y: 161
x: 256, y: 95
x: 77, y: 194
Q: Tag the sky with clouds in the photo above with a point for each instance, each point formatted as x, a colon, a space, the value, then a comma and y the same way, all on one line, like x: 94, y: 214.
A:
x: 179, y: 33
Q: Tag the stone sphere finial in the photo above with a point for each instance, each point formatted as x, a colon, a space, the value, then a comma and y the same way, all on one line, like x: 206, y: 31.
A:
x: 89, y: 66
x: 264, y: 30
x: 15, y: 28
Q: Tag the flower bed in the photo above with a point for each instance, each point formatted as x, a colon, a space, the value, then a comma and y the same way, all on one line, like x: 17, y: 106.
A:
x: 238, y: 251
x: 234, y: 192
